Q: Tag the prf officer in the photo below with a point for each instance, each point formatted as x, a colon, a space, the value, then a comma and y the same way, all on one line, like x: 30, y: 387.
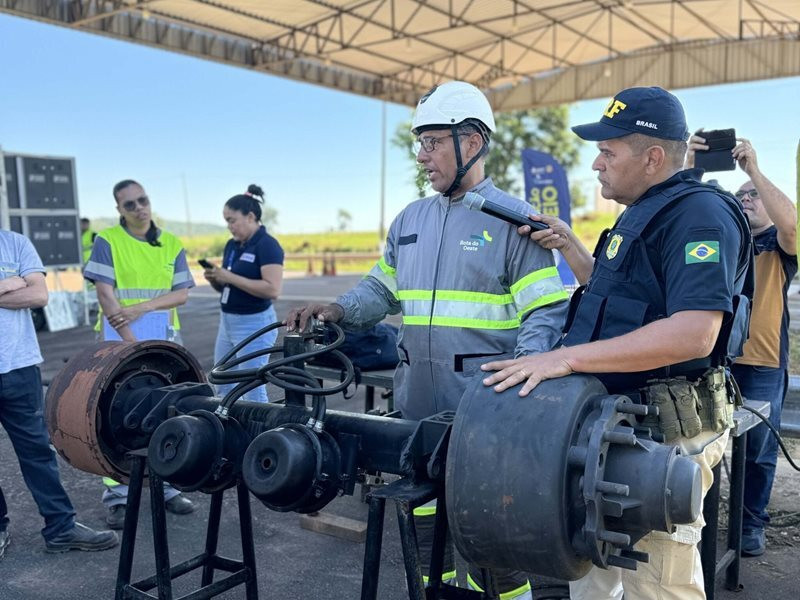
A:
x: 661, y: 315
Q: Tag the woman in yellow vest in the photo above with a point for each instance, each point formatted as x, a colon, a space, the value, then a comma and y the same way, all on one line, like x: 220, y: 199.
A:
x: 138, y: 270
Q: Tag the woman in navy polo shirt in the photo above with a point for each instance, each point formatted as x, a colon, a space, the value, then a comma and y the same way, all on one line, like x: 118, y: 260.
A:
x: 250, y: 279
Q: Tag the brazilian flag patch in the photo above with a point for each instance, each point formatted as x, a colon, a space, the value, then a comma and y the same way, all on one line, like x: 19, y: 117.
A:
x: 702, y: 252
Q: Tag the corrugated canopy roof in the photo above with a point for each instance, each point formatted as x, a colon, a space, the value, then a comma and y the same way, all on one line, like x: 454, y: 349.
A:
x: 524, y: 53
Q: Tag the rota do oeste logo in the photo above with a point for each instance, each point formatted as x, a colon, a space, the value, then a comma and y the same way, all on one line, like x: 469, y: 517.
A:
x: 475, y: 242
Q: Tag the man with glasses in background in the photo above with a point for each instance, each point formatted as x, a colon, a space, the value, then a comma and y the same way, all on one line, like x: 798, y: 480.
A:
x: 468, y: 287
x: 762, y: 371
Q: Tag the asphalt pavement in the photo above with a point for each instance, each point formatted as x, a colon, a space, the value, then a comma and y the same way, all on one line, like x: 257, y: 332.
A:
x: 293, y: 563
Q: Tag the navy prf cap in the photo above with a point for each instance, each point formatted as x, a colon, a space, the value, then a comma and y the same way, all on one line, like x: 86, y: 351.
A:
x: 651, y: 111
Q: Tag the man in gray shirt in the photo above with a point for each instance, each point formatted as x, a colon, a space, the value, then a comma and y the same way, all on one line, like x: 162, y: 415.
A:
x: 22, y: 287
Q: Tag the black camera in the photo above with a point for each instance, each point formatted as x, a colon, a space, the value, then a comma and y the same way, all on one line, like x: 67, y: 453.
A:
x: 718, y: 157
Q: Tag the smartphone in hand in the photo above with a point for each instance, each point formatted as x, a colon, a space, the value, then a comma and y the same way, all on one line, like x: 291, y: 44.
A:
x: 718, y: 157
x: 206, y: 264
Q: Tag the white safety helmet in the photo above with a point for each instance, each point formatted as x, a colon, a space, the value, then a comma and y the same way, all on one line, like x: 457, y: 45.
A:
x: 450, y: 104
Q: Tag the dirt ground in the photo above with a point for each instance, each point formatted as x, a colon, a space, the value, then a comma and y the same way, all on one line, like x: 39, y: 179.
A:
x: 774, y: 574
x: 784, y: 527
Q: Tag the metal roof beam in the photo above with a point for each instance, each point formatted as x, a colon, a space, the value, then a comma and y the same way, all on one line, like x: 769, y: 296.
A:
x: 737, y: 60
x: 713, y: 28
x: 339, y: 12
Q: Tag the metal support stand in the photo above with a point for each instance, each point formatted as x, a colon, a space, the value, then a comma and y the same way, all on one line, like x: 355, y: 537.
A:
x: 731, y: 560
x: 241, y: 572
x: 407, y: 496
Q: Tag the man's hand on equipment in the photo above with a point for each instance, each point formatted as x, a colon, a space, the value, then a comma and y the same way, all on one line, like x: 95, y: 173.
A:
x: 332, y: 313
x: 556, y: 237
x: 531, y: 369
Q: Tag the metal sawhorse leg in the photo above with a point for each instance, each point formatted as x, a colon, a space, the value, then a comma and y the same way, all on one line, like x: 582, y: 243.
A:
x: 731, y: 560
x: 241, y: 572
x: 407, y: 497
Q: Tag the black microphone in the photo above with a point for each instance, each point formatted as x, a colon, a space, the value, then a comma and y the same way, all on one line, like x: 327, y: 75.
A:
x: 475, y: 201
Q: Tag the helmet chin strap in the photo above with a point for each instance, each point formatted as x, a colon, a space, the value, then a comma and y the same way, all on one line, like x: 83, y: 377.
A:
x: 461, y: 169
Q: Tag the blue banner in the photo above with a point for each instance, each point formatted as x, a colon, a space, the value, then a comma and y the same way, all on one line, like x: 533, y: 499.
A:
x: 547, y: 190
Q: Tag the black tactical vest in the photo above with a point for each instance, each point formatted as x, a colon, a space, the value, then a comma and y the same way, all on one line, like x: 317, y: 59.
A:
x: 623, y: 292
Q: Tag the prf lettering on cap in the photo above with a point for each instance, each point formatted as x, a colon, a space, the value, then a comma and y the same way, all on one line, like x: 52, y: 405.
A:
x: 614, y: 107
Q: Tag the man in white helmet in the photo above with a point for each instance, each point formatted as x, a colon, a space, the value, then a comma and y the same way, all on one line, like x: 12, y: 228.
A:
x: 468, y: 286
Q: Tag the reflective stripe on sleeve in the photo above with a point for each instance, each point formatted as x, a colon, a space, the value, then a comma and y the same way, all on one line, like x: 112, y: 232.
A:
x: 536, y: 289
x: 386, y: 275
x: 100, y: 269
x: 181, y: 277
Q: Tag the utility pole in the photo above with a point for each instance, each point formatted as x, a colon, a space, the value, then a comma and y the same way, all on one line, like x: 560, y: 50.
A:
x: 186, y: 206
x: 381, y: 232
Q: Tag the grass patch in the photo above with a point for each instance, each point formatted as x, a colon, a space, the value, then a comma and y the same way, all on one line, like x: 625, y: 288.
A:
x: 333, y: 241
x: 589, y: 228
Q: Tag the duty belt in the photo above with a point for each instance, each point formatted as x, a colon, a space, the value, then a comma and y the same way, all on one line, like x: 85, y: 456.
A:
x: 687, y: 407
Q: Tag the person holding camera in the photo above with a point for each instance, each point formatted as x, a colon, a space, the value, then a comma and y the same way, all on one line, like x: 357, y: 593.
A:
x: 762, y: 371
x: 249, y: 280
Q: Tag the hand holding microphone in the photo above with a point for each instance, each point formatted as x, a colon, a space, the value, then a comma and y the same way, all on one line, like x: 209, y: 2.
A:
x: 550, y: 233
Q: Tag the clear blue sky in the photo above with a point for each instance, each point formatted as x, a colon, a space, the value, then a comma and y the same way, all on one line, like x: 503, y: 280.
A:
x: 128, y: 111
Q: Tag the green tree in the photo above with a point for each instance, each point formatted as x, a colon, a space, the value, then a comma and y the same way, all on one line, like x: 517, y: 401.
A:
x: 269, y: 216
x: 545, y: 129
x: 344, y: 218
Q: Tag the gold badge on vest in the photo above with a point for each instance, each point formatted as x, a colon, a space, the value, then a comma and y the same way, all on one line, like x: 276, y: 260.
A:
x: 613, y: 246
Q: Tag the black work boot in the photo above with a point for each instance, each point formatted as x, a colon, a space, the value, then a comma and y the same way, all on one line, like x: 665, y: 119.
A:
x: 80, y: 537
x: 180, y: 505
x: 115, y: 518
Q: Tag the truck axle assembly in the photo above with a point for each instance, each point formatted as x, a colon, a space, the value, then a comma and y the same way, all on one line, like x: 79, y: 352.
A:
x: 549, y: 484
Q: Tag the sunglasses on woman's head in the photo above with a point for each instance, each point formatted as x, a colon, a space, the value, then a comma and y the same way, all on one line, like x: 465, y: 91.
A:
x: 130, y: 205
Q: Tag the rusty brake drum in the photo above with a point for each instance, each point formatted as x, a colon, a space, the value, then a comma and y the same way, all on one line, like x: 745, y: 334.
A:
x: 89, y: 400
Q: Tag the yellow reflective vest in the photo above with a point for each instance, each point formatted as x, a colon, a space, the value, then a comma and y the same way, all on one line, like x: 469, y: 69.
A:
x: 87, y: 240
x: 141, y: 271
